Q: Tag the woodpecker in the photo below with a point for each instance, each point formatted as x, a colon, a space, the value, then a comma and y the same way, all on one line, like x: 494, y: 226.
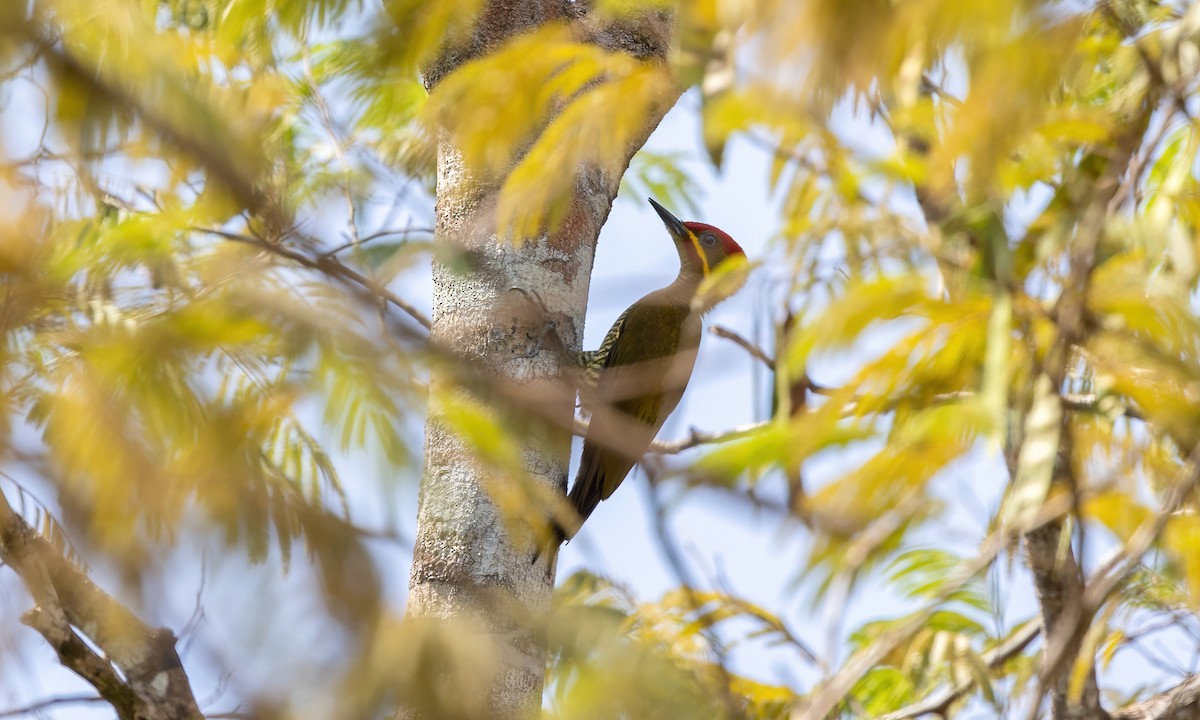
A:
x: 638, y: 374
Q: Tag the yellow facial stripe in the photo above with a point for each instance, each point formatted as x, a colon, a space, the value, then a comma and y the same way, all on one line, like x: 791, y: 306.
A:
x: 699, y: 251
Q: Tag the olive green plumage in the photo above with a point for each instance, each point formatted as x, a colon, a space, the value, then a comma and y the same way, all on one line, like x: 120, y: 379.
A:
x: 642, y: 370
x: 638, y: 374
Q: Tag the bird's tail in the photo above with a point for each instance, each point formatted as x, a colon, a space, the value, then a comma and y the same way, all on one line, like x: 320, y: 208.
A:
x: 587, y: 493
x: 552, y: 536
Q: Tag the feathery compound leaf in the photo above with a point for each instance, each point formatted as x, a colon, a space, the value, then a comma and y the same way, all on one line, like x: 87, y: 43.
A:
x: 780, y: 444
x: 545, y: 106
x: 661, y: 176
x: 921, y: 574
x: 534, y: 73
x: 594, y: 129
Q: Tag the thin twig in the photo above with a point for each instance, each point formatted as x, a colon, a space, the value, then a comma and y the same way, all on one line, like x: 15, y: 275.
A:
x: 755, y: 351
x: 696, y: 437
x: 374, y: 236
x: 328, y: 265
x: 51, y: 702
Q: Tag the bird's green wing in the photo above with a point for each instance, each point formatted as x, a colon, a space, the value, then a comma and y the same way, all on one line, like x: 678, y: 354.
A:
x: 649, y: 349
x: 650, y: 339
x: 594, y: 361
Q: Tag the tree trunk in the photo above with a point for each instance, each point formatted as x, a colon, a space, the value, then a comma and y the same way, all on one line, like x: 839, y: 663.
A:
x: 470, y: 565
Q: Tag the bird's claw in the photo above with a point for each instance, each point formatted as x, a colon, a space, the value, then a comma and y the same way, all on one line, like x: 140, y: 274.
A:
x: 532, y: 296
x: 537, y: 344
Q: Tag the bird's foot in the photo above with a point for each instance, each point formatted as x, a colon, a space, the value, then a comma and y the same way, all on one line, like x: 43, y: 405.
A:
x: 533, y: 296
x: 537, y: 342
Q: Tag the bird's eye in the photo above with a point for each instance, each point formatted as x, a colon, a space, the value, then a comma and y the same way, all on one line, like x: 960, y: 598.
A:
x: 709, y: 240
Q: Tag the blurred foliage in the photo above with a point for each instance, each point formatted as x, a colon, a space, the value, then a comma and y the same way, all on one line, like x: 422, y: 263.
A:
x: 1019, y: 226
x: 987, y: 237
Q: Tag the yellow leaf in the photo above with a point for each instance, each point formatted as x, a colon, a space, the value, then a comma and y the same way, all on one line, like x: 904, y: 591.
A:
x: 1118, y: 512
x: 1112, y: 644
x: 1182, y: 540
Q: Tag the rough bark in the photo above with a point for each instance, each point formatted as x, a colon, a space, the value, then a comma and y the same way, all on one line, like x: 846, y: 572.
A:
x: 1181, y: 702
x: 469, y: 565
x: 1059, y: 584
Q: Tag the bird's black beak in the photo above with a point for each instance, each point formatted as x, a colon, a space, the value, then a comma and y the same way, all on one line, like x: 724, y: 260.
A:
x: 674, y: 224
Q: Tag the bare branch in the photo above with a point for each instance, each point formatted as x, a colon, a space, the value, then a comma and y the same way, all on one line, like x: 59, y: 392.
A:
x: 754, y: 350
x: 1076, y: 617
x: 376, y: 236
x: 78, y: 657
x: 696, y: 437
x: 48, y: 703
x: 1181, y: 702
x: 152, y: 683
x: 328, y: 265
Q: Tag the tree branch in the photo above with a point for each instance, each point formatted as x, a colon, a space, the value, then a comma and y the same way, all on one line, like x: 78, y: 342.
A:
x: 697, y: 437
x: 48, y: 703
x: 1076, y: 618
x: 328, y: 265
x: 754, y: 350
x: 152, y: 684
x: 359, y: 242
x: 1181, y: 702
x: 1067, y: 606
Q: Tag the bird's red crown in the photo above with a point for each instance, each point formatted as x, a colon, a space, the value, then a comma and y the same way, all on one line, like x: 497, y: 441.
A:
x: 730, y: 245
